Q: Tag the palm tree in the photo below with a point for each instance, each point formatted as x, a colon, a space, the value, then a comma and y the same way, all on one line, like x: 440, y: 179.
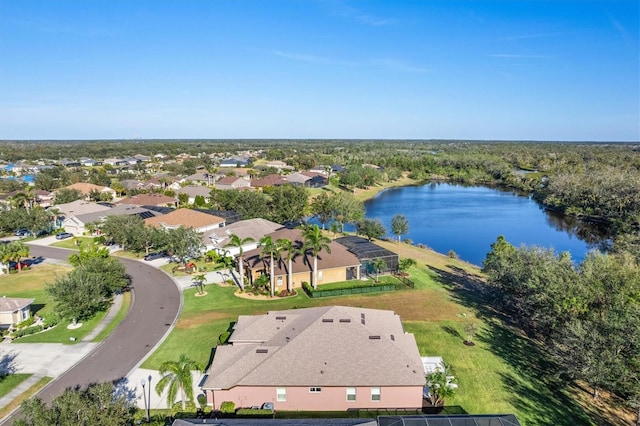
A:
x: 270, y: 250
x: 315, y: 241
x: 288, y: 246
x: 378, y: 265
x: 236, y: 241
x: 54, y: 213
x: 199, y: 281
x: 177, y: 376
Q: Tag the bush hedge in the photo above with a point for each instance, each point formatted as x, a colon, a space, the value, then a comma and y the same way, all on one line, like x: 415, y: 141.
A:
x: 253, y: 412
x: 228, y: 407
x: 346, y: 291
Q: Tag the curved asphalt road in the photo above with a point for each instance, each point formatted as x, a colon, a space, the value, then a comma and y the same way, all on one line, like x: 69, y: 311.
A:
x: 155, y: 306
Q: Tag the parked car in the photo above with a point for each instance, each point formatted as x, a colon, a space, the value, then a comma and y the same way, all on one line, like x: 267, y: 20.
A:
x: 14, y: 265
x: 156, y: 255
x: 22, y: 232
x: 64, y: 235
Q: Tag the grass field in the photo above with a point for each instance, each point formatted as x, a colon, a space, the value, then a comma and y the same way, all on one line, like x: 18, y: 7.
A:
x: 11, y: 381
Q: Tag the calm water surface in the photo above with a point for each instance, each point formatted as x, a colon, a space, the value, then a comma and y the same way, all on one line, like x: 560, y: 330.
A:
x: 467, y: 219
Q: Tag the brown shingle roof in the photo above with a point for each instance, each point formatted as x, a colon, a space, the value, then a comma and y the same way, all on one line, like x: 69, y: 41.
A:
x: 339, y: 256
x: 269, y: 180
x: 301, y: 347
x: 85, y: 188
x: 184, y: 217
x: 148, y: 200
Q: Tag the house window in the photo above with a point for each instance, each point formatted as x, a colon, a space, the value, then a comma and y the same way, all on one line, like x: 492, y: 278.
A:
x: 320, y: 275
x: 281, y: 394
x: 279, y: 281
x: 315, y: 390
x: 375, y: 394
x: 351, y: 394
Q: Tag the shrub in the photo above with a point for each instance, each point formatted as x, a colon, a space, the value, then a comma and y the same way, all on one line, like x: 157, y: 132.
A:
x: 26, y: 323
x: 27, y: 331
x: 452, y: 254
x: 307, y: 287
x: 252, y: 412
x: 228, y: 407
x: 202, y: 400
x: 224, y: 338
x: 51, y: 321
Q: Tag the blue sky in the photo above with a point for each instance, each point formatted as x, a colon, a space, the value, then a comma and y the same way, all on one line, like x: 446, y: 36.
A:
x: 431, y: 69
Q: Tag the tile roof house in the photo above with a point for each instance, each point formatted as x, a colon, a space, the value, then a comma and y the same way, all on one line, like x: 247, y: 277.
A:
x: 194, y: 190
x: 339, y: 265
x: 269, y: 180
x: 86, y: 188
x: 79, y: 207
x: 232, y: 182
x: 257, y: 228
x: 329, y: 358
x: 77, y: 225
x: 153, y: 199
x: 187, y: 218
x: 14, y: 310
x: 308, y: 179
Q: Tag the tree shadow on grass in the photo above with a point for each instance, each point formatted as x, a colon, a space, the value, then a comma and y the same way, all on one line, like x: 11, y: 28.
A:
x: 451, y: 331
x: 537, y: 389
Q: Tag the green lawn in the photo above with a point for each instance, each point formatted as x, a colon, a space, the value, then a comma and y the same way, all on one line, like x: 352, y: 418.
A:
x: 120, y: 316
x: 9, y: 382
x: 31, y: 283
x: 73, y: 243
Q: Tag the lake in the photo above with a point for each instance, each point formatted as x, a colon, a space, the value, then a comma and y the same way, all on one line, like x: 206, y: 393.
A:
x: 468, y: 219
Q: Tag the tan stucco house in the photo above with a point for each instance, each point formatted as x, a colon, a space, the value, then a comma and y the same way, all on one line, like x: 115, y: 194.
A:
x: 14, y: 310
x: 329, y: 358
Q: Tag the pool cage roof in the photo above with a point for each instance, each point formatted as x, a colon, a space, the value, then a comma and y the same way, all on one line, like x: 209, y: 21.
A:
x: 365, y: 250
x: 452, y: 420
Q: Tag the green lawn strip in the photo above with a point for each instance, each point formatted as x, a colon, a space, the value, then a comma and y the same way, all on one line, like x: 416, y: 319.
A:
x: 120, y: 316
x: 61, y: 334
x: 8, y: 383
x: 72, y: 243
x: 4, y: 411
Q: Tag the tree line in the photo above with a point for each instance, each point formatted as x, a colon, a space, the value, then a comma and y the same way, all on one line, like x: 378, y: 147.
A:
x: 588, y: 315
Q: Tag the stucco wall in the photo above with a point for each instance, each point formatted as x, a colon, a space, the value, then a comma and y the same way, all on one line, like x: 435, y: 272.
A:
x: 329, y: 399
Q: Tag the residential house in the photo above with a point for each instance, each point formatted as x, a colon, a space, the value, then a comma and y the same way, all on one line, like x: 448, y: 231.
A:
x: 218, y: 239
x: 188, y: 218
x: 142, y: 158
x: 307, y: 179
x: 116, y: 161
x: 79, y: 207
x: 40, y: 197
x: 69, y: 163
x: 337, y: 265
x: 232, y: 182
x: 131, y: 184
x: 152, y: 199
x: 79, y: 224
x: 193, y: 191
x: 235, y: 162
x: 269, y: 180
x: 86, y: 188
x: 329, y: 358
x: 14, y: 310
x: 87, y: 162
x: 162, y: 182
x: 278, y: 165
x: 200, y: 178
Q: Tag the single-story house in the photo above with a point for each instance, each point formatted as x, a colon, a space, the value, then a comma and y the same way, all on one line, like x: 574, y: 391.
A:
x: 200, y: 178
x: 269, y: 180
x: 187, y: 218
x: 235, y: 162
x: 86, y: 188
x: 153, y: 199
x: 231, y: 182
x: 77, y: 225
x: 193, y: 191
x: 307, y: 179
x: 329, y: 358
x: 79, y: 207
x: 339, y: 265
x: 218, y: 239
x: 14, y: 310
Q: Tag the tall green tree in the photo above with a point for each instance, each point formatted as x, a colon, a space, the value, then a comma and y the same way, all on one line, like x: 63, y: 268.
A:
x: 65, y: 195
x: 289, y: 203
x: 183, y: 243
x: 371, y: 228
x: 322, y: 207
x: 176, y: 376
x: 399, y: 225
x: 236, y: 241
x: 315, y: 242
x: 346, y: 209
